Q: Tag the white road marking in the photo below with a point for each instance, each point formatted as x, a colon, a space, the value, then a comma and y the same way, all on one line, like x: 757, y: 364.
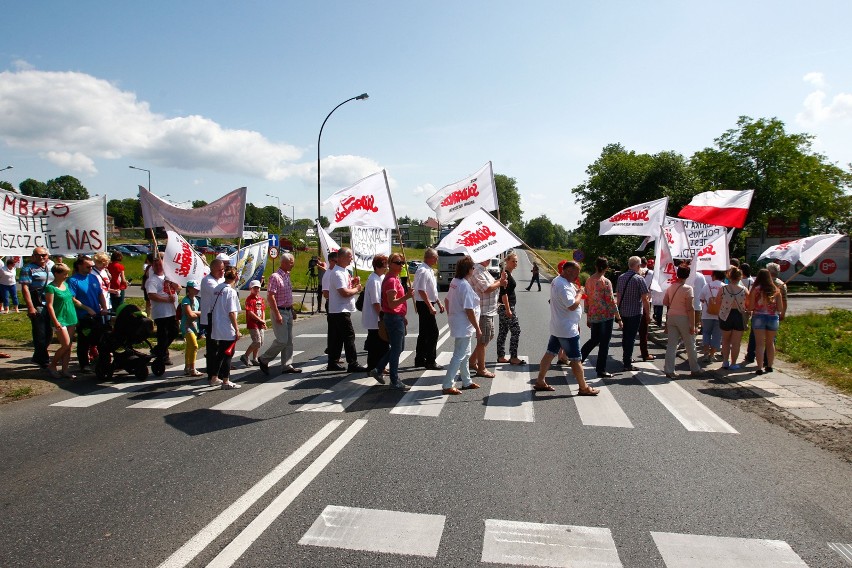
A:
x: 115, y: 391
x: 340, y: 396
x: 376, y: 530
x: 510, y: 397
x: 688, y: 410
x: 441, y: 340
x: 317, y: 335
x: 600, y: 410
x: 534, y: 544
x: 193, y: 547
x: 698, y: 551
x: 844, y: 550
x: 271, y: 389
x: 240, y: 544
x: 425, y: 398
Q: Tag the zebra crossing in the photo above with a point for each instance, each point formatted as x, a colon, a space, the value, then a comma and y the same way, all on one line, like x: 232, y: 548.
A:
x: 509, y: 395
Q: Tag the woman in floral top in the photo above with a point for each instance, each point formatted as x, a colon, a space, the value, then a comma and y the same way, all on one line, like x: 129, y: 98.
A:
x: 601, y: 310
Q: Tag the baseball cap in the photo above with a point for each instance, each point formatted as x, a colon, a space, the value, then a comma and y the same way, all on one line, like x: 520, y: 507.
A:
x: 192, y: 284
x: 254, y: 284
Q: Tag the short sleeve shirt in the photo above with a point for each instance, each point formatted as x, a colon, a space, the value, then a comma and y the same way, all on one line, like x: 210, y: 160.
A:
x: 257, y: 306
x: 205, y: 297
x: 156, y: 285
x: 711, y: 290
x: 392, y: 283
x: 63, y: 305
x: 424, y: 281
x: 187, y: 324
x: 372, y: 295
x: 462, y: 297
x: 87, y: 289
x: 337, y: 303
x: 600, y: 303
x: 281, y: 286
x: 229, y: 301
x: 631, y: 287
x: 35, y: 278
x: 564, y: 322
x: 480, y: 280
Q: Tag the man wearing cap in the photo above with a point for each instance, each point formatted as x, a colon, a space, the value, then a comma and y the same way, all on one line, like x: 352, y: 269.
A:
x: 426, y: 302
x: 279, y: 296
x: 34, y: 277
x: 342, y: 293
x: 206, y: 300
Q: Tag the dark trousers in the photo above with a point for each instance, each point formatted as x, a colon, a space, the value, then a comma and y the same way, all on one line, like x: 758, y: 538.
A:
x: 376, y: 348
x: 427, y: 338
x: 167, y: 330
x: 601, y: 334
x: 221, y: 361
x: 628, y: 337
x: 534, y: 280
x: 658, y: 315
x: 643, y: 336
x: 341, y: 336
x: 88, y: 332
x: 42, y: 333
x: 209, y: 345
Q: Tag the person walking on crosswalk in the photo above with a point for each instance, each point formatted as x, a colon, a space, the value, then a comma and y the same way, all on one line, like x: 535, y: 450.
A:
x: 394, y: 310
x: 343, y: 290
x: 279, y: 296
x: 566, y: 310
x: 427, y: 305
x: 462, y: 304
x: 225, y: 330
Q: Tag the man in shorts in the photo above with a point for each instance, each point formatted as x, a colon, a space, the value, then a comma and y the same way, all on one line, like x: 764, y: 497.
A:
x: 566, y: 311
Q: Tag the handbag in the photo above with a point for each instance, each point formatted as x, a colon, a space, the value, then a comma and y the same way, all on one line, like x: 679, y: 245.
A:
x: 714, y: 306
x: 383, y: 332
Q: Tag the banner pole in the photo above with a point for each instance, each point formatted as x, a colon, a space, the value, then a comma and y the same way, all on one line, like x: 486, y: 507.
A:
x: 797, y: 273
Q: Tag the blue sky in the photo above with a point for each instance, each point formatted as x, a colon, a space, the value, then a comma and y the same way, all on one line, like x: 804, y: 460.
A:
x: 211, y: 96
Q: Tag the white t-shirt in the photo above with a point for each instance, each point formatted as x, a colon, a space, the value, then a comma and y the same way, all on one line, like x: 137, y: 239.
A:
x: 155, y: 285
x: 712, y: 289
x: 564, y: 322
x: 205, y: 295
x: 103, y: 275
x: 337, y: 304
x: 229, y: 301
x: 462, y: 297
x: 7, y: 276
x: 372, y: 295
x: 697, y: 287
x: 325, y: 279
x: 424, y: 280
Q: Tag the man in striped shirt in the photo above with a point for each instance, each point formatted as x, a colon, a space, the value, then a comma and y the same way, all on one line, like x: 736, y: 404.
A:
x: 279, y: 296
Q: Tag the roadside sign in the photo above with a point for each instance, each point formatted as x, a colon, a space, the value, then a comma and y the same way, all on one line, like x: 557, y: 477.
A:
x: 273, y: 252
x: 273, y: 242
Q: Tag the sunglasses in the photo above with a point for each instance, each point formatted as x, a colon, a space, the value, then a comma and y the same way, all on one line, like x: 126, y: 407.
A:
x: 43, y: 255
x: 399, y: 262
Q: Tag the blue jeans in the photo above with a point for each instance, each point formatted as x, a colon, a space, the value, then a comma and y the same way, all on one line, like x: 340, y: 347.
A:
x: 601, y: 334
x: 395, y: 326
x: 628, y: 337
x: 9, y: 291
x: 461, y: 355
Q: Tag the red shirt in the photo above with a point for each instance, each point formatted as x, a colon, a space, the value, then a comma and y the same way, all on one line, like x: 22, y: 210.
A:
x: 115, y: 269
x: 393, y: 283
x: 257, y: 306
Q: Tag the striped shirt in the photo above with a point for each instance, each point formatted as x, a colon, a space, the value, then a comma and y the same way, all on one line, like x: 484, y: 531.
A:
x: 281, y: 287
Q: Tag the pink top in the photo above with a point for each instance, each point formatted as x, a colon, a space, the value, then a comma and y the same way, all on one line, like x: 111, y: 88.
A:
x: 393, y: 283
x: 678, y: 298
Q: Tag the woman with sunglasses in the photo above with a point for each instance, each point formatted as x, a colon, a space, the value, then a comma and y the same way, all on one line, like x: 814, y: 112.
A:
x: 394, y: 309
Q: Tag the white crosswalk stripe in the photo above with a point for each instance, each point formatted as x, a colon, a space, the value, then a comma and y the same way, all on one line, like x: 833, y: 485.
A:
x: 425, y: 398
x: 271, y: 389
x: 510, y: 397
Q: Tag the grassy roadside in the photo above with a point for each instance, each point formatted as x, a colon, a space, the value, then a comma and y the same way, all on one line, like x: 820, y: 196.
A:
x: 822, y: 343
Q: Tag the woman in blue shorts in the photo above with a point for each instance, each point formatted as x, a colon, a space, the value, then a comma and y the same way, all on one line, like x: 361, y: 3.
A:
x: 767, y: 303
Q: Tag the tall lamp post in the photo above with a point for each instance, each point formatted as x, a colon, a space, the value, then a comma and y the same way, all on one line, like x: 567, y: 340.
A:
x: 143, y: 170
x: 6, y: 168
x: 293, y: 218
x: 278, y: 199
x: 360, y: 97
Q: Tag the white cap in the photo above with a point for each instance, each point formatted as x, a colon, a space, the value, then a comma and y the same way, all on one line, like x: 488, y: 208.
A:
x: 254, y: 283
x: 223, y: 257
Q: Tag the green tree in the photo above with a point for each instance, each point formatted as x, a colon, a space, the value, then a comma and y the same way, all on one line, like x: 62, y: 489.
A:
x: 540, y: 232
x: 125, y: 212
x: 33, y: 188
x: 789, y: 179
x: 198, y: 203
x: 66, y: 188
x: 508, y: 200
x: 619, y: 179
x: 8, y: 186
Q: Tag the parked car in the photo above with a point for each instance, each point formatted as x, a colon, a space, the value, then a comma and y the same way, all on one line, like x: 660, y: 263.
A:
x: 141, y: 249
x: 413, y: 265
x: 494, y: 267
x: 123, y: 250
x: 201, y: 249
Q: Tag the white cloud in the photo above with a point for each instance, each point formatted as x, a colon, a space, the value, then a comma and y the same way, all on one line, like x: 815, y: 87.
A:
x: 816, y: 111
x: 537, y: 196
x: 426, y: 189
x: 815, y: 78
x: 74, y: 119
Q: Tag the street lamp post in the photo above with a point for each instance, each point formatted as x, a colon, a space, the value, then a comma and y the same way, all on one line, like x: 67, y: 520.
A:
x: 293, y: 218
x: 143, y: 170
x: 6, y: 168
x: 278, y: 199
x: 360, y: 97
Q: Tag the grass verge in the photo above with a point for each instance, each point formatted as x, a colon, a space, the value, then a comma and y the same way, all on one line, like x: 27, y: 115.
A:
x: 822, y: 343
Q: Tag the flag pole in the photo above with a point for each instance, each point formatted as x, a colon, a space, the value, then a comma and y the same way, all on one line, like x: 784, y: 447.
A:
x: 393, y: 210
x: 797, y: 273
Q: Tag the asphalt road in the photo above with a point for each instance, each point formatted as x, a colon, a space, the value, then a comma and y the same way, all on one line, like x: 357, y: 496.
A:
x: 281, y: 474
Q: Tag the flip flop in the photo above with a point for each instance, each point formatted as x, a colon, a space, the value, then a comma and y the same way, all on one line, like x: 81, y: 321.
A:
x: 502, y: 360
x: 485, y: 375
x: 543, y: 388
x: 590, y: 392
x: 517, y: 362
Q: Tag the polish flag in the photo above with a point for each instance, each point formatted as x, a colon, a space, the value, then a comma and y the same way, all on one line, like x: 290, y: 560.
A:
x: 725, y: 207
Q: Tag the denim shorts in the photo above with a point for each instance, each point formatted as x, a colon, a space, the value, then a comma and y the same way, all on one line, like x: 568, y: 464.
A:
x: 765, y: 321
x: 571, y: 346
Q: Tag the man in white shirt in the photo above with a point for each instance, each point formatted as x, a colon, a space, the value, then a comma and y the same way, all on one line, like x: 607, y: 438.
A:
x: 427, y: 305
x: 205, y: 306
x: 164, y: 300
x: 375, y: 347
x: 343, y: 290
x: 566, y: 311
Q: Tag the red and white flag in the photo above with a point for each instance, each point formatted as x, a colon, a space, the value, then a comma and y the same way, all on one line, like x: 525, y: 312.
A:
x: 804, y: 250
x: 481, y: 236
x: 365, y: 204
x: 713, y: 255
x: 725, y: 207
x: 460, y: 199
x: 225, y: 217
x: 643, y: 220
x: 664, y: 269
x: 181, y: 263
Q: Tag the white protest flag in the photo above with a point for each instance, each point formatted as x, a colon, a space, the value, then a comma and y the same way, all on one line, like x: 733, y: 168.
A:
x: 459, y: 199
x: 225, y: 217
x: 714, y: 254
x: 481, y: 236
x: 250, y: 263
x: 365, y: 204
x: 642, y: 220
x: 690, y: 237
x: 66, y: 227
x: 367, y: 242
x: 326, y: 242
x: 804, y: 250
x: 181, y: 263
x: 664, y: 270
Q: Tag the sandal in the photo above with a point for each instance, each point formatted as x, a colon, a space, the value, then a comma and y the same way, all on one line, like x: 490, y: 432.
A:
x: 452, y: 390
x: 543, y: 388
x: 230, y: 386
x: 215, y: 382
x: 588, y: 392
x: 485, y: 374
x: 502, y: 360
x: 517, y: 362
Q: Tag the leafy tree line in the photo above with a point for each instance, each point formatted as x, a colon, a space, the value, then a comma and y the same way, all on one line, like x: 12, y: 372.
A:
x: 790, y: 180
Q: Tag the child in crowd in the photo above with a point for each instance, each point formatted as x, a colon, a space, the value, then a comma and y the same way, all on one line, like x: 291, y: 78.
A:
x: 255, y: 322
x: 189, y: 314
